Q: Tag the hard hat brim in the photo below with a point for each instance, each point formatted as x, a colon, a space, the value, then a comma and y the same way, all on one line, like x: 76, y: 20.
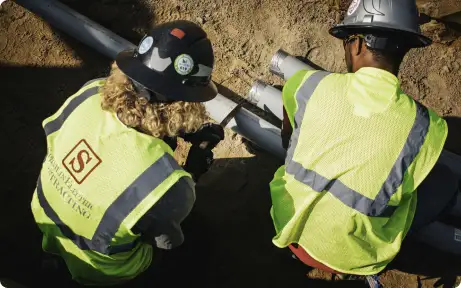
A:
x: 413, y: 39
x: 158, y: 83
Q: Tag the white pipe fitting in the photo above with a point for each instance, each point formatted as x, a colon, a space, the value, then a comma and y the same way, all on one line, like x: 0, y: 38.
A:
x: 267, y: 98
x: 285, y: 65
x: 247, y: 124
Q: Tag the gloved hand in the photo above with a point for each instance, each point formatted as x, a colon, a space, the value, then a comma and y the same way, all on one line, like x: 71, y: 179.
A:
x: 198, y: 161
x: 208, y: 136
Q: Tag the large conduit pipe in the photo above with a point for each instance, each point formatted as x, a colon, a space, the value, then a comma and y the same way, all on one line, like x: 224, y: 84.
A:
x: 267, y: 98
x: 249, y: 125
x: 78, y: 26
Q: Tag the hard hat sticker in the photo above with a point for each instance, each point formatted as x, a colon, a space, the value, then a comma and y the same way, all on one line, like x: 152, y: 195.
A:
x: 354, y: 5
x: 184, y: 64
x: 145, y: 45
x: 178, y: 33
x: 203, y: 71
x: 158, y: 63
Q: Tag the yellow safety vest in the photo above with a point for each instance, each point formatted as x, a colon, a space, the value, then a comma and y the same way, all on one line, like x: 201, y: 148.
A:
x: 98, y: 179
x: 359, y: 150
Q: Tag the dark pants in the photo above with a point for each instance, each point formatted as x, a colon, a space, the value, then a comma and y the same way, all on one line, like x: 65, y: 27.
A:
x: 436, y: 196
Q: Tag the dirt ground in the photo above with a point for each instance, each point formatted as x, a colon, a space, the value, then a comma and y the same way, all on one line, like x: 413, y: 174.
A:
x: 228, y: 235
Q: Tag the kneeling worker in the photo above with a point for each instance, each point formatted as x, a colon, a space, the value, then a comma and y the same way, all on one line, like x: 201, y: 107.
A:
x: 359, y: 148
x: 110, y: 190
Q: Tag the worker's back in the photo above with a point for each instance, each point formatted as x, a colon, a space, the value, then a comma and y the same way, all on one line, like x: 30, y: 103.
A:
x: 98, y: 179
x: 360, y: 148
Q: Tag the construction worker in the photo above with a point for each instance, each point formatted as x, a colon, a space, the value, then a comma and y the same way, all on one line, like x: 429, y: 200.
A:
x: 110, y: 192
x: 359, y: 148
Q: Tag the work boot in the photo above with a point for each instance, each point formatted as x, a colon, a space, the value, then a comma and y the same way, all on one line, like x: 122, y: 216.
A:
x: 372, y: 280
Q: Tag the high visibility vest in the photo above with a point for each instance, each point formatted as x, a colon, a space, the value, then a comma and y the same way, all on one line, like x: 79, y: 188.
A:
x: 98, y: 179
x: 359, y: 150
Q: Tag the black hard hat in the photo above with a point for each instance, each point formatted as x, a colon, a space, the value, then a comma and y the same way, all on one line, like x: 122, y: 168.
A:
x: 397, y: 18
x: 175, y: 61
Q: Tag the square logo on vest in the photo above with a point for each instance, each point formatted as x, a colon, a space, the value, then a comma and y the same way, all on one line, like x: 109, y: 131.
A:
x: 81, y: 161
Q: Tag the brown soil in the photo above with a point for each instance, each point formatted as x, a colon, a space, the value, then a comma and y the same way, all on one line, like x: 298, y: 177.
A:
x: 229, y: 232
x: 439, y: 8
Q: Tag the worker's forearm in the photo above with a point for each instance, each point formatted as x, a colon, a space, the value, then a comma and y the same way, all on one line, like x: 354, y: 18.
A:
x: 453, y: 143
x: 160, y: 226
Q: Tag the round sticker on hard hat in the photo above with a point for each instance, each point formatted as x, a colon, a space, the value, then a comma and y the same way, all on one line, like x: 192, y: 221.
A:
x: 353, y: 7
x: 184, y: 64
x: 145, y: 45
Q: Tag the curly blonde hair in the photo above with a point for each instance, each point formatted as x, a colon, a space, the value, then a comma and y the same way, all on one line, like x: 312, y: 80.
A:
x: 156, y: 119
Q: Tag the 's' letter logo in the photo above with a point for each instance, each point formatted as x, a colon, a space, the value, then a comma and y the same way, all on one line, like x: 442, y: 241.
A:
x: 81, y: 161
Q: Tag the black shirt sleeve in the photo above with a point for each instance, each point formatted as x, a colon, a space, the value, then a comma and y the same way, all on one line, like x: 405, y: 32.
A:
x: 161, y: 225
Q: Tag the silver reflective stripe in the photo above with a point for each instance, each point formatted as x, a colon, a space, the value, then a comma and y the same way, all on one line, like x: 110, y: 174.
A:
x: 133, y: 195
x: 93, y: 80
x: 130, y: 198
x: 371, y: 207
x: 158, y: 63
x: 302, y: 97
x: 346, y: 195
x: 56, y: 124
x: 203, y: 71
x: 415, y: 141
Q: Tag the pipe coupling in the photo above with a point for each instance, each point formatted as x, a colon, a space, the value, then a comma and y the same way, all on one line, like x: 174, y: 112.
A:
x: 277, y: 61
x: 254, y: 96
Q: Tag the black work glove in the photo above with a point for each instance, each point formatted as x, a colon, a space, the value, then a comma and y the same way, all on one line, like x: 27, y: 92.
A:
x: 208, y: 136
x: 198, y: 161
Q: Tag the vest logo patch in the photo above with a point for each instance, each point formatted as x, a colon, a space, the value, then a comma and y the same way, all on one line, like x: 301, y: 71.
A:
x: 81, y: 161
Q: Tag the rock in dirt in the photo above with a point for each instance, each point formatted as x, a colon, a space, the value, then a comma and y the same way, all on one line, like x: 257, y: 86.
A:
x: 439, y: 32
x: 445, y: 69
x: 439, y: 8
x: 201, y: 20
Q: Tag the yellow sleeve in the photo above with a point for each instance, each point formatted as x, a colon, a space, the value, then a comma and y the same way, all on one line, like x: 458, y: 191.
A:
x: 290, y: 89
x: 88, y: 85
x: 430, y: 151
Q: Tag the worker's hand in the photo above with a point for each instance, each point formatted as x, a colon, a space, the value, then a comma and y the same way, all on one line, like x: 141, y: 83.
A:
x: 198, y: 161
x: 208, y: 136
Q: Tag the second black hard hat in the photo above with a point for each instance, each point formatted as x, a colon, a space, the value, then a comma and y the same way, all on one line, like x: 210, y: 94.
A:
x: 175, y: 61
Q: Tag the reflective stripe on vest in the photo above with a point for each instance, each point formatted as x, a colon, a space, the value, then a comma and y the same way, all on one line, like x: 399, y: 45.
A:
x: 130, y: 198
x: 118, y: 210
x: 56, y: 124
x: 371, y: 207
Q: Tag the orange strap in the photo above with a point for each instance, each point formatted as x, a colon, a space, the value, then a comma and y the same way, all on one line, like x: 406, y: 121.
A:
x: 309, y: 261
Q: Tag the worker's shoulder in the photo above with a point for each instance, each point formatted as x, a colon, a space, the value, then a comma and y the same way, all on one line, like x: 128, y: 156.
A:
x: 322, y: 74
x: 403, y: 96
x: 308, y: 77
x: 94, y: 83
x: 332, y: 78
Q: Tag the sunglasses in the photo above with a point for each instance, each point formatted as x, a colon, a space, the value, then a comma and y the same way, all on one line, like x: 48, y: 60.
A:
x: 352, y: 38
